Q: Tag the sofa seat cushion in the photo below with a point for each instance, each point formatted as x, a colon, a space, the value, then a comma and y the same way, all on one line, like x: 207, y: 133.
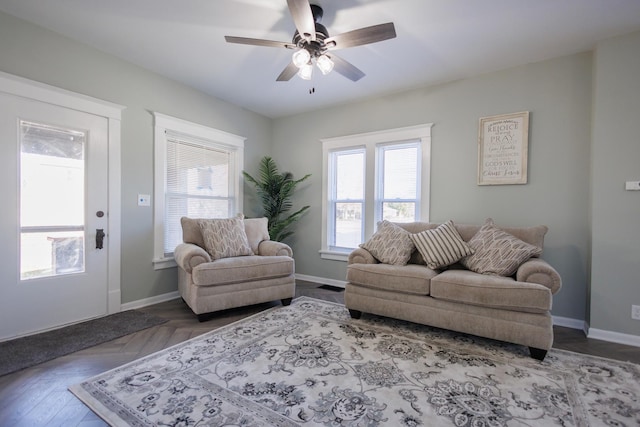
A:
x: 225, y: 271
x: 410, y: 278
x: 491, y: 291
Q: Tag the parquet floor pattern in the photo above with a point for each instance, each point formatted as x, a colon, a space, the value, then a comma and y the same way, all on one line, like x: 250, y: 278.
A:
x: 38, y: 396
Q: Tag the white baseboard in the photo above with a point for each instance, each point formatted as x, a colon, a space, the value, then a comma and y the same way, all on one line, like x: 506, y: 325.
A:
x: 617, y: 337
x: 323, y: 280
x: 150, y: 301
x: 568, y: 322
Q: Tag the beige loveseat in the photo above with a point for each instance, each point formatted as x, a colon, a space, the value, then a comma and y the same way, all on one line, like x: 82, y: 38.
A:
x: 213, y: 278
x: 514, y: 307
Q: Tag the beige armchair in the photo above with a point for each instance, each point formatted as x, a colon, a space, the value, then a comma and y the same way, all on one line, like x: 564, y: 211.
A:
x: 218, y: 269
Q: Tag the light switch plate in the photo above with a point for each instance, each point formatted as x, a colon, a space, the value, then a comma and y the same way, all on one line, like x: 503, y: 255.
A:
x: 144, y: 200
x: 632, y: 185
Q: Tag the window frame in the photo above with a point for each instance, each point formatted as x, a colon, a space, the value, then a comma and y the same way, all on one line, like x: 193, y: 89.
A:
x: 371, y: 141
x: 198, y: 135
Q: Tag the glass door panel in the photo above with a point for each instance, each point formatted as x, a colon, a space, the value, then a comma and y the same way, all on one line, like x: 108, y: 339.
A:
x: 52, y: 200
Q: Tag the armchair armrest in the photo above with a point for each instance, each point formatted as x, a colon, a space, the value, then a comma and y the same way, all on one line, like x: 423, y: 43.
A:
x: 272, y: 248
x: 361, y: 256
x: 188, y: 256
x: 537, y: 270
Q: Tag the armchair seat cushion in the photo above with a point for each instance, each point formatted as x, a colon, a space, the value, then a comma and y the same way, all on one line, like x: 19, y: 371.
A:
x: 226, y: 271
x: 505, y: 293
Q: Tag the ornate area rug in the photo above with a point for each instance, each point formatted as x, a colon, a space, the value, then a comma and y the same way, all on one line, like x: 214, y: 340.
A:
x: 310, y: 364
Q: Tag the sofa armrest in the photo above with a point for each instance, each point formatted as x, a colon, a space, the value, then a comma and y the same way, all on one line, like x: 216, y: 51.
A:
x: 537, y: 270
x: 188, y: 256
x: 361, y: 256
x: 272, y: 248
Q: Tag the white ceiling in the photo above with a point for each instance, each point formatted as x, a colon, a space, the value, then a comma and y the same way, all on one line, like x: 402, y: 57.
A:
x: 437, y: 41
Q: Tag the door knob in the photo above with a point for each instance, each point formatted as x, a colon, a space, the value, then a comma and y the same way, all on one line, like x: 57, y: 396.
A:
x: 99, y: 238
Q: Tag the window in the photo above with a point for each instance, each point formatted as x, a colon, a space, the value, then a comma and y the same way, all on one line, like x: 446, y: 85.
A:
x: 398, y: 195
x: 370, y: 177
x: 197, y: 174
x: 346, y: 202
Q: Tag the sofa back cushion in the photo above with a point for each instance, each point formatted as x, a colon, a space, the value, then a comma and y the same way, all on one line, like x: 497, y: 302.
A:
x: 257, y: 231
x: 191, y: 231
x: 532, y: 235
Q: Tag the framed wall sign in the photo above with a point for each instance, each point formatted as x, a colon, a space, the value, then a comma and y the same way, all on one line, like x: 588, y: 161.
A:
x: 503, y: 143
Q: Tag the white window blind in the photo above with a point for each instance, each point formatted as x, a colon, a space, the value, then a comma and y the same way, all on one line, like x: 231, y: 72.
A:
x: 197, y: 185
x: 197, y: 174
x: 398, y: 198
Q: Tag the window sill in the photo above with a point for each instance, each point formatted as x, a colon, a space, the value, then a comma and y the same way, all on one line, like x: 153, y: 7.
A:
x: 163, y: 263
x: 334, y: 255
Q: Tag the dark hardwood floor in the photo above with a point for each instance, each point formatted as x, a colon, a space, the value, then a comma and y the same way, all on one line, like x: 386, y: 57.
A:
x: 38, y: 396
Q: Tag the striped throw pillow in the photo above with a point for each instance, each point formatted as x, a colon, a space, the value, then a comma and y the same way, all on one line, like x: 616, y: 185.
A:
x: 441, y: 246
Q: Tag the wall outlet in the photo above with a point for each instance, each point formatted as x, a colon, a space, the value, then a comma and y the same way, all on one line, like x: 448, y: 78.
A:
x: 635, y: 312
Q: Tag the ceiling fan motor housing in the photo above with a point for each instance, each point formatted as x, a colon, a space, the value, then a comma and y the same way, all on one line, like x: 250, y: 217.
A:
x: 315, y: 47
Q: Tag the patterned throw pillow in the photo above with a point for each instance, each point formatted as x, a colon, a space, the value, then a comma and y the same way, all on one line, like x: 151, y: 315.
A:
x: 224, y: 238
x: 391, y: 244
x: 497, y: 252
x: 441, y: 246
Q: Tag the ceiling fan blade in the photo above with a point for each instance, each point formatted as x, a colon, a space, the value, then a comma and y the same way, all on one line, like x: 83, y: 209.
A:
x: 286, y: 74
x: 258, y: 42
x: 373, y: 34
x: 303, y: 18
x: 345, y: 68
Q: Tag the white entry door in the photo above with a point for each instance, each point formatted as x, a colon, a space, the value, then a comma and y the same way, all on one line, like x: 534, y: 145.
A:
x: 53, y: 218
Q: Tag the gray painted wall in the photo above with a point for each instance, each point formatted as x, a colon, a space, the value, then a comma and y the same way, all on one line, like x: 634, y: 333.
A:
x: 615, y: 271
x: 577, y: 165
x: 35, y: 53
x: 558, y: 95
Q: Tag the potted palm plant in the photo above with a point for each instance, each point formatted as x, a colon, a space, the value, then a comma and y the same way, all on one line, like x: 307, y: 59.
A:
x: 275, y: 190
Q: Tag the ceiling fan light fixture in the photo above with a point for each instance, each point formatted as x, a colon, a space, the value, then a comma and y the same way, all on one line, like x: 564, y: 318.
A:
x: 325, y: 64
x: 301, y: 57
x: 306, y: 71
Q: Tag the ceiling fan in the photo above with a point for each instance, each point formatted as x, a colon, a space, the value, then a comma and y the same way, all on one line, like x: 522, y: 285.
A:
x: 312, y: 44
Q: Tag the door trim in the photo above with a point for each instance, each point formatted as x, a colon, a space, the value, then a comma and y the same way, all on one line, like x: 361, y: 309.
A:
x: 42, y: 92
